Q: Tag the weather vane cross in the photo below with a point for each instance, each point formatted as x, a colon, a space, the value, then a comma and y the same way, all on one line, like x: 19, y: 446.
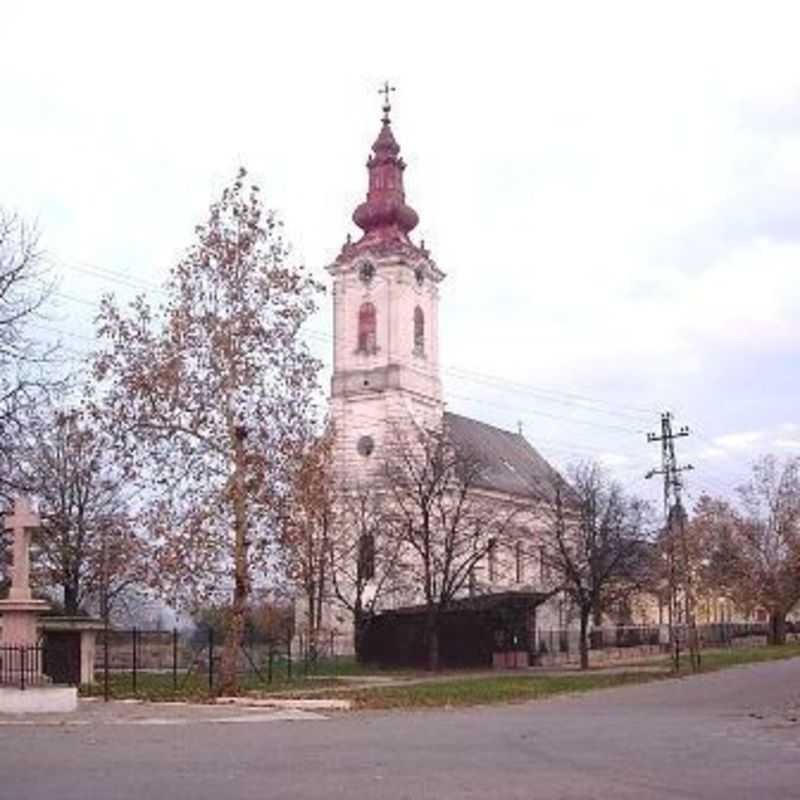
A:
x: 387, y: 107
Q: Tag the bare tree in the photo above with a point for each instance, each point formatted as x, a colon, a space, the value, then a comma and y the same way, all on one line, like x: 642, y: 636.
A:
x: 24, y: 288
x: 445, y: 521
x: 210, y: 396
x: 768, y: 552
x: 334, y: 544
x: 596, y: 542
x: 367, y: 567
x: 87, y: 545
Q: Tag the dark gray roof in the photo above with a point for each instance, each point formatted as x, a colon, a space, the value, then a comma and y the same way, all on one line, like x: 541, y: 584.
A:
x: 511, y: 465
x: 481, y: 602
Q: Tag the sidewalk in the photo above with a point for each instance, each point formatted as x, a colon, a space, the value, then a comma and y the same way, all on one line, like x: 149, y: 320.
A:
x: 94, y: 713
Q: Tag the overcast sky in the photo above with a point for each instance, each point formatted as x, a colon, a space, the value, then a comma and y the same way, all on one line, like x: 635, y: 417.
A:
x: 611, y: 188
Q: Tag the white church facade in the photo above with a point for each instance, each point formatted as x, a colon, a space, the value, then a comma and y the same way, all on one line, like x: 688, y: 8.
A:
x: 386, y: 372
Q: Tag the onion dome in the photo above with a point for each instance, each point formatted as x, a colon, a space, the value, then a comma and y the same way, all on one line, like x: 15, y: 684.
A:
x: 384, y: 215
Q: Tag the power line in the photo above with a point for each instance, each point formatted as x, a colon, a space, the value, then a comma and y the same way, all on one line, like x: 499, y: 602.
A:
x: 525, y: 413
x: 560, y: 397
x: 548, y: 415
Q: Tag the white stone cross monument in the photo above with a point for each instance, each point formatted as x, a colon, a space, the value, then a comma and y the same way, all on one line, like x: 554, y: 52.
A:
x: 22, y: 669
x: 20, y: 611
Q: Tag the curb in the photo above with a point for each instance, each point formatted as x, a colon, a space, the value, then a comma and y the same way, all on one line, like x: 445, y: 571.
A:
x: 299, y: 704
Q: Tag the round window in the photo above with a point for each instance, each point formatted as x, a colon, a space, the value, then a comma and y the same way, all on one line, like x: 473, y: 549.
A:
x: 365, y: 445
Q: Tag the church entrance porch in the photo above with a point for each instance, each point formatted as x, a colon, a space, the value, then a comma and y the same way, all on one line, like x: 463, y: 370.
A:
x: 483, y: 631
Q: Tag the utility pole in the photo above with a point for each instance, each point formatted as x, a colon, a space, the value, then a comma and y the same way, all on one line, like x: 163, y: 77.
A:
x: 675, y: 517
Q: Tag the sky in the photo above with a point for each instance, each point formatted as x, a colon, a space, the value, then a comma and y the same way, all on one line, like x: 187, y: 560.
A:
x: 611, y: 188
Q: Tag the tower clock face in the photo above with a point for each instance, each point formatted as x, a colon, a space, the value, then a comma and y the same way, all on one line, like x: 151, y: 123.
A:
x: 366, y: 271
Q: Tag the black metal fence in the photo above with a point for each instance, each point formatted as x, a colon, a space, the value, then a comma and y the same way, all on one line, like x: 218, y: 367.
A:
x: 730, y: 634
x: 21, y: 667
x: 170, y: 662
x: 562, y: 645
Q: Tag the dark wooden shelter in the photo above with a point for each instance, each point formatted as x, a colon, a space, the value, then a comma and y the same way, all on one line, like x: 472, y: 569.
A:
x: 472, y: 630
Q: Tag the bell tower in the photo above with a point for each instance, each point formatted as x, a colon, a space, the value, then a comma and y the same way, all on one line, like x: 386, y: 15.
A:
x: 386, y: 320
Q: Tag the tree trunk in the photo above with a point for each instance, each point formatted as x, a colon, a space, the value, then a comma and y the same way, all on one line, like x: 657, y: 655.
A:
x: 318, y: 610
x: 432, y: 637
x: 312, y: 629
x: 596, y: 636
x: 360, y: 625
x: 776, y: 633
x: 70, y: 599
x: 597, y: 615
x: 584, y: 638
x: 234, y: 635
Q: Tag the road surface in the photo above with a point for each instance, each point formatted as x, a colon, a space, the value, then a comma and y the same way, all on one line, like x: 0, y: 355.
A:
x: 732, y: 735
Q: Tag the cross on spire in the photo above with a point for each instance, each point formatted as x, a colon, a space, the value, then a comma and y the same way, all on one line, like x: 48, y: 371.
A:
x: 387, y: 106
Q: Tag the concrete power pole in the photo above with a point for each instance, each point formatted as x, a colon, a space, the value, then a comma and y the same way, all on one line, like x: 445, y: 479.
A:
x: 676, y: 534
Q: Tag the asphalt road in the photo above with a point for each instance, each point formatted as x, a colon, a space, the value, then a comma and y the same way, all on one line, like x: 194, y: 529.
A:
x: 731, y: 735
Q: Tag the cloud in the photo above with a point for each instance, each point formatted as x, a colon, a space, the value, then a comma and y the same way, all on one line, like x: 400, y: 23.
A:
x: 631, y: 235
x: 744, y: 440
x: 787, y: 444
x: 712, y: 454
x: 614, y: 459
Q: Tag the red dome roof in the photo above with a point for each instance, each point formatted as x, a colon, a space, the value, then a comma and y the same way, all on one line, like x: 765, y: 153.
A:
x: 385, y: 215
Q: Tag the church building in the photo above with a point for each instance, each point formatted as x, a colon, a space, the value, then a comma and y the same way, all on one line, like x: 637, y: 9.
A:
x: 386, y: 363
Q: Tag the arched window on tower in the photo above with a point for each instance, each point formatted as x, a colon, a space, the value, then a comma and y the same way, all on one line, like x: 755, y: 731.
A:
x: 367, y: 326
x: 419, y: 332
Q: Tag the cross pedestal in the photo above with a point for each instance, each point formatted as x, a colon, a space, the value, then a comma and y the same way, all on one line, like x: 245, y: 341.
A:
x: 26, y: 689
x: 20, y: 610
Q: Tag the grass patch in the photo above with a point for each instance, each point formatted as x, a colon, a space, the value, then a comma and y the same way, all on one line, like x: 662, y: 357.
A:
x: 160, y: 686
x: 713, y: 660
x: 469, y: 691
x: 461, y: 692
x: 454, y: 690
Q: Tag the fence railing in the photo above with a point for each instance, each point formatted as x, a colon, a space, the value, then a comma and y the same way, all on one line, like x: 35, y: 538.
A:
x: 728, y: 633
x: 560, y: 645
x: 170, y: 662
x: 21, y: 666
x: 564, y: 643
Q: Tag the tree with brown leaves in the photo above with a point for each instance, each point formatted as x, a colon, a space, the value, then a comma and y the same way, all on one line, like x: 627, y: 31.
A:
x: 713, y: 534
x: 209, y: 395
x: 768, y: 540
x: 307, y: 524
